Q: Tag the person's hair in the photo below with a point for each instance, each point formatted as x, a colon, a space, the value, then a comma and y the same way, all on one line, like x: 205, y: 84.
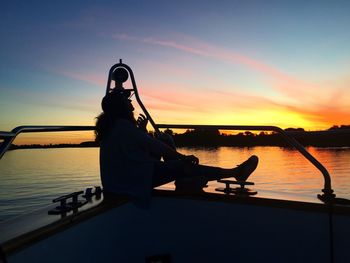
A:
x: 114, y: 106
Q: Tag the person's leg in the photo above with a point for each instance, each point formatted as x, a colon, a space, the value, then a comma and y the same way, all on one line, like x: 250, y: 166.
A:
x: 168, y: 140
x: 165, y: 172
x: 175, y: 169
x: 241, y: 172
x: 186, y: 179
x: 168, y: 171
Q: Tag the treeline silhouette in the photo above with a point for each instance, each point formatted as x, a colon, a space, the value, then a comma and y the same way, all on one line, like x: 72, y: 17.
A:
x: 333, y: 137
x: 61, y: 145
x: 336, y: 136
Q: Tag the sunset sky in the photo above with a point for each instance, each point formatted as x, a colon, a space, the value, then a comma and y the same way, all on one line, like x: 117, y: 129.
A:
x: 283, y: 63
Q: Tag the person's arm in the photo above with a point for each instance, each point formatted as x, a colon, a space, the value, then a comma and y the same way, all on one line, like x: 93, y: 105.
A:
x: 159, y: 148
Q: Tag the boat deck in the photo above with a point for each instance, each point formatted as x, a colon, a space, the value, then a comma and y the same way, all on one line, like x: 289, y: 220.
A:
x: 209, y: 210
x: 262, y: 193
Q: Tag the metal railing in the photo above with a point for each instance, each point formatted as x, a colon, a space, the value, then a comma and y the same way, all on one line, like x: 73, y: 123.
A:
x: 328, y: 193
x: 9, y: 137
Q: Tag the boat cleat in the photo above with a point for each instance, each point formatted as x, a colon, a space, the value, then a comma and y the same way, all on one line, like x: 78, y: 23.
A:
x: 89, y: 193
x: 239, y: 191
x: 65, y: 206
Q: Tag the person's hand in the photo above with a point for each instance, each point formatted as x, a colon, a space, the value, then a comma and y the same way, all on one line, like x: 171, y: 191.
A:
x: 142, y: 122
x: 190, y: 158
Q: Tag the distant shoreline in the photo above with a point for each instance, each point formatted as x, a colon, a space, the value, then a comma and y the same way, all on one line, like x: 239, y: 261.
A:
x: 339, y: 137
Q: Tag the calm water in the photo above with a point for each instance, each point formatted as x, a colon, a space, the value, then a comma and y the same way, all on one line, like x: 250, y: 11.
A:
x: 30, y: 179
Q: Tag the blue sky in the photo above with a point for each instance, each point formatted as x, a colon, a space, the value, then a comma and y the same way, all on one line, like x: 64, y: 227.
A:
x: 283, y: 63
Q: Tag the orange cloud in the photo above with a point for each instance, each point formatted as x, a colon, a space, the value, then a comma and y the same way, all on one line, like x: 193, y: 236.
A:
x: 325, y: 115
x: 203, y: 49
x: 220, y: 107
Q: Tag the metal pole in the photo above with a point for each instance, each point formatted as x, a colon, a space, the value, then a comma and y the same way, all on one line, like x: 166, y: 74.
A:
x: 133, y: 82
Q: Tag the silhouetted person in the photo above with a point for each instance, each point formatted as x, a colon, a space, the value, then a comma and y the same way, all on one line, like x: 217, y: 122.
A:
x: 128, y: 155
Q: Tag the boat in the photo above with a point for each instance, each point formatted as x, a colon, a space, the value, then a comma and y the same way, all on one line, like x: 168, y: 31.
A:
x: 228, y: 224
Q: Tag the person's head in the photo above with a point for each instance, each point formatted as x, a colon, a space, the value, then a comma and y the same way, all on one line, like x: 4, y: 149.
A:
x: 118, y: 104
x: 115, y: 104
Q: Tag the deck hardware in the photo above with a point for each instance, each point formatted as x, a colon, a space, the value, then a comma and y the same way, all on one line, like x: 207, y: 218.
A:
x: 98, y: 190
x: 75, y: 203
x: 238, y: 190
x: 88, y: 194
x: 62, y: 208
x: 65, y: 206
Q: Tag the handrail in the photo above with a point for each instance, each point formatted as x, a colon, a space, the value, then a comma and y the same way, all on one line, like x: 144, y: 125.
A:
x: 328, y: 193
x: 9, y: 137
x: 4, y: 135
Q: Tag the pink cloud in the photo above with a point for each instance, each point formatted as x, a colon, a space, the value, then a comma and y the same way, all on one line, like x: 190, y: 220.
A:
x: 311, y: 100
x: 165, y: 68
x: 205, y: 50
x: 173, y: 97
x: 92, y: 78
x: 279, y: 80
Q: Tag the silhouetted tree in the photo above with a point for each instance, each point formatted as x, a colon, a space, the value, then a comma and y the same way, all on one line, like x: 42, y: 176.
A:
x: 295, y: 129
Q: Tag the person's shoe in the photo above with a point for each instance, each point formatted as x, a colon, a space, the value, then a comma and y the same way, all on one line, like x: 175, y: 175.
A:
x: 246, y: 168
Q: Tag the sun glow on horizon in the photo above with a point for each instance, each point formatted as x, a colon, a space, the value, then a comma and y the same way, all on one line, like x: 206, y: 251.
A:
x: 54, y: 138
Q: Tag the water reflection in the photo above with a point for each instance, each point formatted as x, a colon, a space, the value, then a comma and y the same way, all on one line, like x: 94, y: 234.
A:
x: 32, y: 178
x: 284, y: 169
